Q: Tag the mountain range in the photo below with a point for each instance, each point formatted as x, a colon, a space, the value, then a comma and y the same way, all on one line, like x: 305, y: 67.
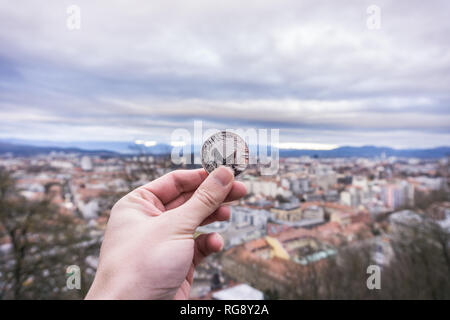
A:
x: 30, y: 150
x: 23, y: 148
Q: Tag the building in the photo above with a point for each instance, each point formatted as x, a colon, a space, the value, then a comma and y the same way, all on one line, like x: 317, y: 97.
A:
x: 287, y: 212
x: 245, y: 224
x: 86, y: 163
x: 239, y: 292
x: 299, y: 186
x: 326, y: 180
x: 266, y: 188
x: 296, y: 214
x: 351, y: 197
x: 398, y: 195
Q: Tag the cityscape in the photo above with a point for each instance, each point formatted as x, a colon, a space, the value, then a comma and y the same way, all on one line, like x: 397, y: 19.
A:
x: 343, y: 110
x: 313, y: 215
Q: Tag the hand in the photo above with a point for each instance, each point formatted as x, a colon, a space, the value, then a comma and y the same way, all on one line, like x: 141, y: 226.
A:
x: 149, y: 251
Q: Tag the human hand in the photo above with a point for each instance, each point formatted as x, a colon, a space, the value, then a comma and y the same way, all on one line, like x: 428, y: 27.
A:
x: 149, y: 251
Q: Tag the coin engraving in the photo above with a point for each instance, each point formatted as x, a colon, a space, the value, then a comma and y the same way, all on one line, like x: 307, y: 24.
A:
x: 225, y: 148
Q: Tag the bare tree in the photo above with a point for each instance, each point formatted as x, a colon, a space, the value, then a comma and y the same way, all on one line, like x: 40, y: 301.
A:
x: 42, y: 243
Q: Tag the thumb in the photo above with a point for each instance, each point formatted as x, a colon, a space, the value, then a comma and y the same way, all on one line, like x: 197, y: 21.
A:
x: 208, y: 197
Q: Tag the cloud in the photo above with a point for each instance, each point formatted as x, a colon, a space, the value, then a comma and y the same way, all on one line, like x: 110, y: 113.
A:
x: 138, y: 70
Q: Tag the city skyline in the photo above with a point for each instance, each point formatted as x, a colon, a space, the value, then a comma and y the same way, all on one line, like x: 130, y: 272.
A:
x: 315, y: 214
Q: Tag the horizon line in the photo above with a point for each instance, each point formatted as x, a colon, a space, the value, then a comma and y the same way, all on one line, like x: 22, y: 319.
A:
x: 154, y: 143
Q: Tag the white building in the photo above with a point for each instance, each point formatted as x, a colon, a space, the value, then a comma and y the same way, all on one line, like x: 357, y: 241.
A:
x: 86, y: 163
x: 89, y: 210
x: 361, y: 182
x: 258, y: 187
x: 239, y: 292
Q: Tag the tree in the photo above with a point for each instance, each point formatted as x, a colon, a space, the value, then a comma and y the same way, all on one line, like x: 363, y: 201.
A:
x: 419, y: 268
x: 40, y: 243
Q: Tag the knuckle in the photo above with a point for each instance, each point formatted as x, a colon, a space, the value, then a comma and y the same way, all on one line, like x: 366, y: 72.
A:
x: 206, y: 198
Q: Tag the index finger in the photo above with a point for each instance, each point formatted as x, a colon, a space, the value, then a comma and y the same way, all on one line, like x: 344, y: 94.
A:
x: 171, y: 185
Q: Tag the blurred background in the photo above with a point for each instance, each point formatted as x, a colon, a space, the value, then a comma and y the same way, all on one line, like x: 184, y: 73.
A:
x: 90, y: 93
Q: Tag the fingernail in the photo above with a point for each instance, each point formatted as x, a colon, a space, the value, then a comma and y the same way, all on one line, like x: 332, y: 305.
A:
x: 224, y: 175
x: 220, y: 239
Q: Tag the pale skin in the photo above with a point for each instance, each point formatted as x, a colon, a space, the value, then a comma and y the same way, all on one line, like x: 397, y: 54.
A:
x: 149, y: 250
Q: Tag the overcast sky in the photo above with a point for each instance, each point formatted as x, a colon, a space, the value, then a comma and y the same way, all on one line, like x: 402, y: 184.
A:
x: 313, y: 69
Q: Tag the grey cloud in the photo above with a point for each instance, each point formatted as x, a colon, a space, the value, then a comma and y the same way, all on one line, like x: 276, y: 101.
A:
x: 142, y: 68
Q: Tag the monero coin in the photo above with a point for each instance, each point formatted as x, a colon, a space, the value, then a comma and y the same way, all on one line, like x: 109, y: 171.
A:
x: 225, y: 148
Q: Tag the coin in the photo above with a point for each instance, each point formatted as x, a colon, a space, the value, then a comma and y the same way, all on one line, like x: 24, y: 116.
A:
x: 225, y: 148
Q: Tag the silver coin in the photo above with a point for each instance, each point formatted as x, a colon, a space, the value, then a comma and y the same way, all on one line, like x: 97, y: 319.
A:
x: 225, y: 149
